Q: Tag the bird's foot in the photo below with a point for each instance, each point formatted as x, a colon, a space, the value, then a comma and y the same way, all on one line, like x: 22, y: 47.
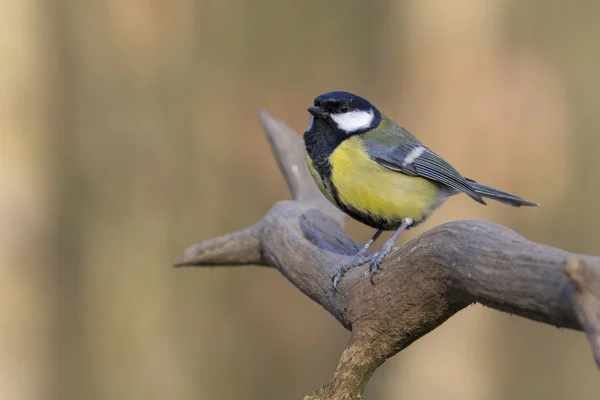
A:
x: 376, y: 263
x: 387, y: 247
x: 335, y: 279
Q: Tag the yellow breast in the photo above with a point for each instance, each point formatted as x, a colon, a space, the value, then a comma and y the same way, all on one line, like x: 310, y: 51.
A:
x: 366, y: 186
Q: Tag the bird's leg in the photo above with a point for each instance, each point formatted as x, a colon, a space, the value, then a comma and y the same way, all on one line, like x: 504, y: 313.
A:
x: 355, y: 260
x: 387, y: 247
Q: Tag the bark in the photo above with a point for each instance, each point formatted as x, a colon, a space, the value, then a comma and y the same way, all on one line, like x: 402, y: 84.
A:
x: 421, y: 284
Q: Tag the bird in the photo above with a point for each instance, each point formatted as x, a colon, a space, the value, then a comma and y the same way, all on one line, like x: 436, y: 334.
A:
x: 379, y: 174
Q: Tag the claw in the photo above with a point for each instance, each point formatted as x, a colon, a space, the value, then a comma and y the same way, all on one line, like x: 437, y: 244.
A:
x: 375, y: 265
x: 335, y: 279
x: 356, y: 260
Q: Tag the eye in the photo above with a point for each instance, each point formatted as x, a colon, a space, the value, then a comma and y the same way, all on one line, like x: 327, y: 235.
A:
x: 343, y: 108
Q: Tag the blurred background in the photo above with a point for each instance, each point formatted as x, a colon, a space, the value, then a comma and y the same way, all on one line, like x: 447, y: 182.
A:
x: 129, y: 130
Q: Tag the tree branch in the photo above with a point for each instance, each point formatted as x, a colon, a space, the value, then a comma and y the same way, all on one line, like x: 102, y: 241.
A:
x: 239, y: 248
x: 586, y: 299
x: 421, y: 284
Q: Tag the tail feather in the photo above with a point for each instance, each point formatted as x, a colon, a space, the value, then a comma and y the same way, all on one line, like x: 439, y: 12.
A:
x: 499, y: 195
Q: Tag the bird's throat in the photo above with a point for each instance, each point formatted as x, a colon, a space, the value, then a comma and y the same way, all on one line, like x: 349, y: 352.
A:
x: 320, y: 140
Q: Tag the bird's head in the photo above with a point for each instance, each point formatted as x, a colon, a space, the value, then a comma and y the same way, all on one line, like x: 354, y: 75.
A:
x: 345, y: 112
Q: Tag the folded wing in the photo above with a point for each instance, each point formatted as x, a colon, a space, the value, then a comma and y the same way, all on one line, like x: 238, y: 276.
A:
x: 417, y: 160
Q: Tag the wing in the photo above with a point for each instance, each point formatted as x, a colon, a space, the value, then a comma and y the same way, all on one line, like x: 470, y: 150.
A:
x: 414, y: 159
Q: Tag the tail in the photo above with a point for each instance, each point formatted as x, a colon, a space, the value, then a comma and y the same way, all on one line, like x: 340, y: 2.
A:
x: 499, y: 195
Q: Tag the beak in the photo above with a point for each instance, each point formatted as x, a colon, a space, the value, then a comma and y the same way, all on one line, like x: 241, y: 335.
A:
x: 317, y: 111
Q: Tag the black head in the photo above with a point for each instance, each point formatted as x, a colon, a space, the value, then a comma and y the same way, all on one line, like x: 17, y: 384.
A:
x: 345, y: 112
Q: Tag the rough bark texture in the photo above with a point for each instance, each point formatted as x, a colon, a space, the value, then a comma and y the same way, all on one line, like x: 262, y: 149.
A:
x: 421, y: 284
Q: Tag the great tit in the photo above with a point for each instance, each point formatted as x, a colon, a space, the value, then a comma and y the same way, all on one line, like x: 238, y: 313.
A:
x: 379, y: 173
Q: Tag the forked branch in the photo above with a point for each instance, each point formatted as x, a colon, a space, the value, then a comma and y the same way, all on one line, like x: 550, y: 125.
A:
x: 421, y: 284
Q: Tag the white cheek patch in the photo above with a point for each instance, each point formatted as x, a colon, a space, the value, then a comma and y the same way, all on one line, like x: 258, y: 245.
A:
x: 354, y: 120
